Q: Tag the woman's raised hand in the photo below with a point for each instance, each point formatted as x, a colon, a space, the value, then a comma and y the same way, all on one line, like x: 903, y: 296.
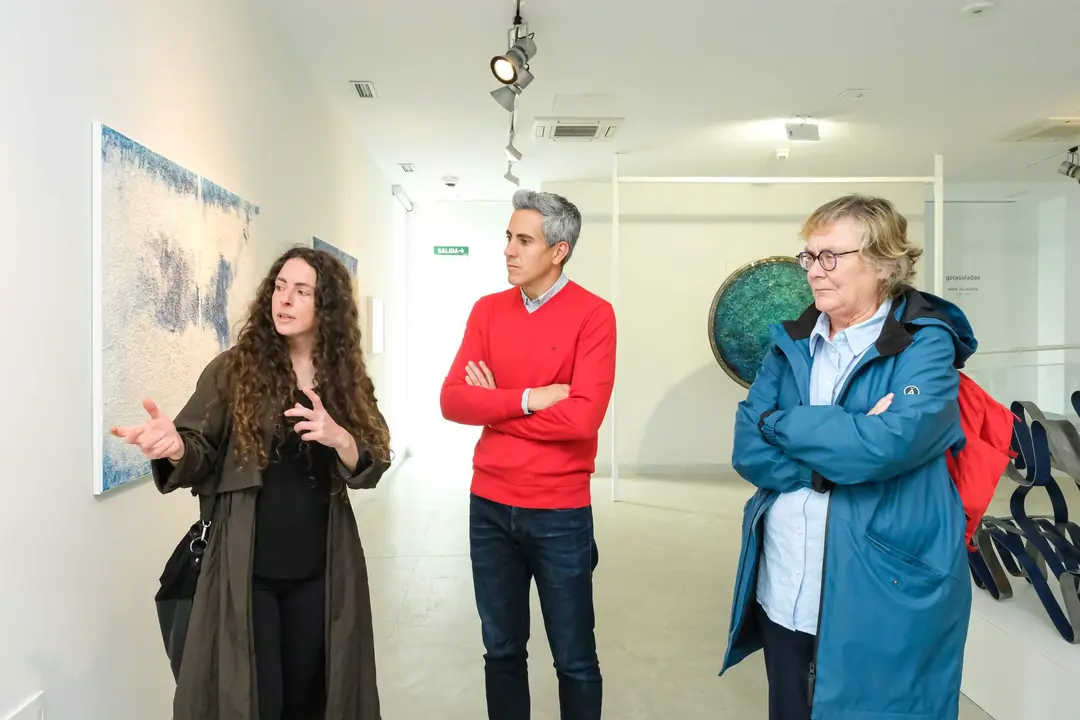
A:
x: 157, y: 438
x: 882, y: 405
x: 316, y: 424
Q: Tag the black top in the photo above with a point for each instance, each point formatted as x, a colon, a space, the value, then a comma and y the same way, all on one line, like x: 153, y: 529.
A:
x: 293, y: 508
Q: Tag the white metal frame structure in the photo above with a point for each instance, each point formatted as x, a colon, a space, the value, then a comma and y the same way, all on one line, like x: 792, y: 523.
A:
x: 937, y: 180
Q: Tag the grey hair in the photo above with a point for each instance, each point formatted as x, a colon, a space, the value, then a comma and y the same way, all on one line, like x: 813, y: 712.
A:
x: 561, y: 218
x: 885, y: 242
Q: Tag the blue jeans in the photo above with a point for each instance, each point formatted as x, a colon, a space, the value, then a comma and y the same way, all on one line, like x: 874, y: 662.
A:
x: 509, y: 548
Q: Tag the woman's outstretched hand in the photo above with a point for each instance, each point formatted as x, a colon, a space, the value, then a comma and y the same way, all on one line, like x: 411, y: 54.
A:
x: 882, y: 405
x: 157, y: 438
x: 317, y: 425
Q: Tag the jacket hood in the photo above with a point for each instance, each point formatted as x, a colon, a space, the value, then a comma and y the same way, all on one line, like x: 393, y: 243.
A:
x: 923, y: 308
x: 912, y: 309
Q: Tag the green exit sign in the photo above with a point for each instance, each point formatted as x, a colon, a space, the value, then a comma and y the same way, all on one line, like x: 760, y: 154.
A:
x: 451, y: 249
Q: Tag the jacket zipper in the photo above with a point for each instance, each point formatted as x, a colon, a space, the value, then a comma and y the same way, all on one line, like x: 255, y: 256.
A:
x: 812, y: 678
x: 812, y: 675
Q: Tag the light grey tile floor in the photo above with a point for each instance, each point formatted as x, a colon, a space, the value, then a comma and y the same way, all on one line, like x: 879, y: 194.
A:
x: 663, y: 587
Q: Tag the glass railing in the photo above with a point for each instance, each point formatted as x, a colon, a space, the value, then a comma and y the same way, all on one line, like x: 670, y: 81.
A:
x: 1047, y: 375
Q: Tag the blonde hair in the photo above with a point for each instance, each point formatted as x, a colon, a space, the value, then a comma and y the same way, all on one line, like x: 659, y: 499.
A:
x: 883, y: 243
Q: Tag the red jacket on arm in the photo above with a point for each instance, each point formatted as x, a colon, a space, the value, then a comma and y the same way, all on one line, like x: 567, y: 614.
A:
x: 978, y: 466
x: 544, y: 459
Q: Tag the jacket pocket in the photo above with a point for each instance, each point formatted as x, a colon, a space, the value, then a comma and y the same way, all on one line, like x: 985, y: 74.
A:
x: 901, y: 568
x: 918, y: 520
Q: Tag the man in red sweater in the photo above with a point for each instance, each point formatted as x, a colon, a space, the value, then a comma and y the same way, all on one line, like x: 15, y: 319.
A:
x: 536, y: 369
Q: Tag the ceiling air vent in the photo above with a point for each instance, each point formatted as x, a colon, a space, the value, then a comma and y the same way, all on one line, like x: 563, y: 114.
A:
x: 570, y: 129
x: 365, y: 89
x: 1048, y: 130
x: 407, y: 167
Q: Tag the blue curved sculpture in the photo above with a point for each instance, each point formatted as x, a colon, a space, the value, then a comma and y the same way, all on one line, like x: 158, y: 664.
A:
x: 755, y: 296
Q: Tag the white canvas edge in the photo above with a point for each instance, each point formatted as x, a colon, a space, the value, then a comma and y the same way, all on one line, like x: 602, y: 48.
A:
x: 97, y: 333
x: 97, y: 328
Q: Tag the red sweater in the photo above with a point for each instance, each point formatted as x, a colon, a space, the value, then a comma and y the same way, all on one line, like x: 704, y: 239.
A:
x: 542, y: 460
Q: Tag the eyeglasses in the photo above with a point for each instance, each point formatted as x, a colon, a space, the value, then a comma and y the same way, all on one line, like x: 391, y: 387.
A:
x: 825, y: 258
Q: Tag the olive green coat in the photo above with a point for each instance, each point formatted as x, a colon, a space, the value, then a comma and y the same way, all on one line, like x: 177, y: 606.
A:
x: 217, y: 674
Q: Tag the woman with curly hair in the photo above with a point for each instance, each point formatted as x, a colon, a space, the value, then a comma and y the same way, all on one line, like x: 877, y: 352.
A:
x: 280, y: 426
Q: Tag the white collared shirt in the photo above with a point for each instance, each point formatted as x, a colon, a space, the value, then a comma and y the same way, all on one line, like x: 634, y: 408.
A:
x: 532, y: 306
x: 789, y: 580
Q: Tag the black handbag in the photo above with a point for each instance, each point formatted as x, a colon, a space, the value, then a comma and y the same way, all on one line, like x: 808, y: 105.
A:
x: 180, y: 577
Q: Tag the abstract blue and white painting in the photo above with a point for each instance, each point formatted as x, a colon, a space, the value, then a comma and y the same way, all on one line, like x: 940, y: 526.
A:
x: 171, y: 254
x: 351, y: 264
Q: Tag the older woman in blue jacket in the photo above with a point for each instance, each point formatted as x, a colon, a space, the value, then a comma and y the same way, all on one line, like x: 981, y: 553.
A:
x: 853, y: 573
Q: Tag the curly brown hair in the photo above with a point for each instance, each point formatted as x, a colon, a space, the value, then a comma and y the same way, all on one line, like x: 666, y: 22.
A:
x: 260, y: 373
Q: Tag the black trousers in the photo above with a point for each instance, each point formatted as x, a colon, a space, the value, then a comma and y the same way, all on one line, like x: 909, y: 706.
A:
x: 288, y: 617
x: 788, y: 655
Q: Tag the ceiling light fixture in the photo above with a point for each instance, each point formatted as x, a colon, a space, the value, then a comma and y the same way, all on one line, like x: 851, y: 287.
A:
x: 802, y: 129
x: 1070, y: 167
x: 509, y: 65
x: 512, y: 153
x: 512, y: 67
x: 510, y: 177
x: 506, y: 96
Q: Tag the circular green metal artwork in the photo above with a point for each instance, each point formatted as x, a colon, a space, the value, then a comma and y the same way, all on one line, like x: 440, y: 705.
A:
x: 757, y: 295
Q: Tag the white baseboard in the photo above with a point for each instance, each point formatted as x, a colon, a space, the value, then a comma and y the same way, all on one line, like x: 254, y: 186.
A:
x: 31, y: 709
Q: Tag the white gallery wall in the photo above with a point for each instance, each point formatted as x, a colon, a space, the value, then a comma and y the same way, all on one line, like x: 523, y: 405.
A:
x: 441, y: 292
x: 1008, y: 254
x: 210, y: 86
x: 675, y: 406
x: 1010, y: 250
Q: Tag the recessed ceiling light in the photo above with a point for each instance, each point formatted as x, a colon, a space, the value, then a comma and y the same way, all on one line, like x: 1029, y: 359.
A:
x: 854, y: 94
x: 978, y: 7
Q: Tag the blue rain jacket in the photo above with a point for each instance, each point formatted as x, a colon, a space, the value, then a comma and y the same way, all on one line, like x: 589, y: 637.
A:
x: 896, y: 595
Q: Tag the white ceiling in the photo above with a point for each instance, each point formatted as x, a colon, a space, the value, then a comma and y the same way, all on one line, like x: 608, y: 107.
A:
x: 704, y: 85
